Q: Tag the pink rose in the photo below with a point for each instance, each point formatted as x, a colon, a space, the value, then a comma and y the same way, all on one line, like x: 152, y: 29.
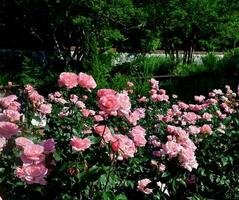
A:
x: 6, y: 101
x: 154, y: 84
x: 32, y: 173
x: 193, y: 130
x: 79, y: 144
x: 109, y: 103
x: 199, y: 98
x: 45, y: 108
x: 143, y: 99
x: 86, y: 112
x: 183, y: 105
x: 124, y: 103
x: 190, y: 117
x: 14, y: 106
x: 162, y: 167
x: 103, y: 92
x: 172, y: 148
x: 28, y: 88
x: 136, y: 115
x: 8, y: 129
x: 86, y: 81
x: 36, y: 98
x: 33, y: 151
x: 68, y: 79
x: 142, y: 186
x: 206, y: 129
x: 207, y: 116
x: 12, y: 115
x: 23, y: 142
x: 187, y: 159
x: 125, y: 146
x: 138, y: 135
x: 80, y: 104
x: 98, y: 118
x: 73, y: 98
x: 104, y: 131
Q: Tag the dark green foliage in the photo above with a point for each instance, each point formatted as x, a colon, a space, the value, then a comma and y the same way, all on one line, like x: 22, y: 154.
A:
x: 230, y: 62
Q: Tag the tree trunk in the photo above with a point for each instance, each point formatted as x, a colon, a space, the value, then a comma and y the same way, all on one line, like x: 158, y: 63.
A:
x: 235, y: 44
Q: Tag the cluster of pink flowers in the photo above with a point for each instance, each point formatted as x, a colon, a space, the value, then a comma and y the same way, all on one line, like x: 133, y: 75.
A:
x: 124, y: 146
x: 71, y: 80
x: 10, y: 108
x: 138, y: 134
x: 104, y: 132
x: 179, y: 144
x: 33, y: 156
x: 38, y: 101
x: 57, y: 98
x: 114, y: 103
x: 157, y: 94
x: 121, y: 139
x: 9, y: 116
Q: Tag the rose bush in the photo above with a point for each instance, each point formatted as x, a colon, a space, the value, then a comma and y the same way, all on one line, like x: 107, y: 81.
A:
x: 83, y: 142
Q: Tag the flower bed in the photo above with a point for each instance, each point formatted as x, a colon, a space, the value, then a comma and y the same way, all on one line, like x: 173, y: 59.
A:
x: 87, y: 143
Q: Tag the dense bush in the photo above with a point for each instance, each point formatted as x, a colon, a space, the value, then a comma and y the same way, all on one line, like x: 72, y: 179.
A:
x: 107, y: 144
x: 230, y: 61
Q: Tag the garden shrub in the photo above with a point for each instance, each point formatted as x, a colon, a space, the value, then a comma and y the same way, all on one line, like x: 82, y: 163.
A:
x: 230, y: 61
x: 83, y: 142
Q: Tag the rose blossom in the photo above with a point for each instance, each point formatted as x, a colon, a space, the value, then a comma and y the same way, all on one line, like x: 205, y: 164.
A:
x: 206, y: 129
x: 138, y: 135
x: 142, y: 184
x: 109, y: 103
x: 32, y: 173
x: 98, y: 118
x: 23, y: 142
x: 207, y: 116
x: 73, y: 98
x: 143, y: 99
x: 104, y: 132
x: 6, y: 101
x: 172, y: 148
x: 86, y: 81
x: 33, y: 151
x: 103, y: 92
x: 12, y: 115
x: 154, y: 84
x: 68, y: 79
x: 8, y: 129
x: 80, y: 104
x: 79, y: 144
x: 14, y: 106
x: 187, y: 159
x: 45, y: 108
x: 126, y: 147
x: 36, y: 98
x: 199, y: 98
x: 162, y: 167
x: 193, y: 130
x: 124, y: 103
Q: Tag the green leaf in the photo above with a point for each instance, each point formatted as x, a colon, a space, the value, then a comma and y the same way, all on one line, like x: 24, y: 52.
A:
x: 107, y: 196
x: 121, y: 197
x: 57, y: 156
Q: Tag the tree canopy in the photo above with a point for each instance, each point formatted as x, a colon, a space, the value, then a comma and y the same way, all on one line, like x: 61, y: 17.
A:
x: 95, y: 26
